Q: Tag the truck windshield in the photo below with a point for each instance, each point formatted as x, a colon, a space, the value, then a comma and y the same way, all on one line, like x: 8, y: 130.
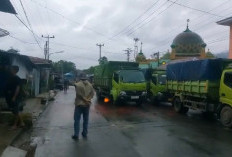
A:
x: 132, y: 76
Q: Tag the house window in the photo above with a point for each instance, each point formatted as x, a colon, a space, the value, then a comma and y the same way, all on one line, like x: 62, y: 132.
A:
x: 228, y: 79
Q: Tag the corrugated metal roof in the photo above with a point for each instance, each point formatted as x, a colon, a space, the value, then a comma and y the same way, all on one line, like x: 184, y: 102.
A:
x: 3, y: 32
x: 226, y: 22
x: 37, y: 60
x: 6, y: 6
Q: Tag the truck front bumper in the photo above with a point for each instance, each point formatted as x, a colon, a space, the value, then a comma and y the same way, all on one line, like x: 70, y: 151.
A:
x: 134, y: 98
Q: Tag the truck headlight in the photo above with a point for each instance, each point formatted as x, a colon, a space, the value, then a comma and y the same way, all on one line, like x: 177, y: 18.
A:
x: 122, y: 93
x: 144, y: 93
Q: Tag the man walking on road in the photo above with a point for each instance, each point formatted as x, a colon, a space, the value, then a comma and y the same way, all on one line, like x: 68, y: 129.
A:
x: 84, y: 94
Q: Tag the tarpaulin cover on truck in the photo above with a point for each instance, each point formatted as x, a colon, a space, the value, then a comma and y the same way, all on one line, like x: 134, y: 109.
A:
x: 199, y: 70
x: 103, y: 73
x: 107, y: 69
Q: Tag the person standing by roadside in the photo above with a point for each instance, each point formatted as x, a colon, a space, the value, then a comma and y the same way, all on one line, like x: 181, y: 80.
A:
x: 12, y: 96
x: 84, y: 94
x: 66, y: 84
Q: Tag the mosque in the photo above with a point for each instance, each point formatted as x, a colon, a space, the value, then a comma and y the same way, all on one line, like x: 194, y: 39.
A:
x: 188, y: 44
x: 185, y: 46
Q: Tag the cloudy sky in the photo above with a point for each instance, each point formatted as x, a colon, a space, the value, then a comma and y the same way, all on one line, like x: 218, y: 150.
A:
x: 78, y: 25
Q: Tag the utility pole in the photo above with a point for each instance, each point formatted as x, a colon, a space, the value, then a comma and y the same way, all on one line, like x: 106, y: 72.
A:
x: 128, y: 52
x: 100, y: 45
x: 157, y: 54
x: 136, y: 47
x: 46, y: 47
x: 46, y: 50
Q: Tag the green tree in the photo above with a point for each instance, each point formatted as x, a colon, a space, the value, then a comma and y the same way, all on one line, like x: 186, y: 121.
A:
x: 89, y: 70
x: 66, y: 66
x: 209, y: 55
x: 166, y: 56
x: 103, y: 60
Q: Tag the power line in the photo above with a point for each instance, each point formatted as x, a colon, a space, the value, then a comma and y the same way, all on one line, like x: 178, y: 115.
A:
x: 30, y: 29
x: 203, y: 11
x: 152, y: 18
x: 25, y: 42
x: 62, y: 44
x: 166, y: 40
x: 141, y: 15
x: 85, y: 27
x: 218, y: 40
x: 29, y: 23
x: 141, y: 22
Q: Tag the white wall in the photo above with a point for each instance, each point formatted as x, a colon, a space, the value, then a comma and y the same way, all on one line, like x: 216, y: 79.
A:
x: 23, y: 72
x: 36, y: 81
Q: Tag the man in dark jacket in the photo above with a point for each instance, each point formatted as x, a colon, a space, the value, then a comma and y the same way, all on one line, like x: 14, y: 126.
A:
x: 13, y: 86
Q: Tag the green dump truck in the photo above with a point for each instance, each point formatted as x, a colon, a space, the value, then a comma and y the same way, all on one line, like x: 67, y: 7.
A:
x: 203, y: 84
x: 120, y: 82
x: 157, y: 85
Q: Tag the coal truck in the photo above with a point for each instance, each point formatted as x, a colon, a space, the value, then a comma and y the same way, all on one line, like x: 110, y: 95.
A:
x: 120, y: 82
x: 156, y: 85
x: 204, y: 85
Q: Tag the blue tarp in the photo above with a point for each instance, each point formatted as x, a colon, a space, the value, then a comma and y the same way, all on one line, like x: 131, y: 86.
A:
x: 208, y: 69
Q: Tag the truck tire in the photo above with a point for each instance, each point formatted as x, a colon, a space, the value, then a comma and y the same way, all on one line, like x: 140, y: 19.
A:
x: 155, y: 101
x: 177, y: 105
x: 118, y: 103
x: 139, y: 103
x: 184, y: 110
x: 99, y: 97
x: 226, y: 116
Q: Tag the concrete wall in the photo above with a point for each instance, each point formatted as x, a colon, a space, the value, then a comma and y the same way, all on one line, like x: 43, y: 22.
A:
x: 23, y: 71
x: 36, y: 81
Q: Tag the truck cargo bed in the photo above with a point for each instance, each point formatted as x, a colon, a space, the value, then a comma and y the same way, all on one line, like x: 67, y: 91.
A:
x: 202, y: 89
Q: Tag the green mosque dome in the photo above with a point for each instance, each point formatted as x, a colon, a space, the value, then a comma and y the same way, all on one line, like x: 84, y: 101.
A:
x: 188, y: 43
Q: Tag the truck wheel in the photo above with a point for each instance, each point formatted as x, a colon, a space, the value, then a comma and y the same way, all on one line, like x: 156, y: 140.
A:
x: 117, y: 103
x: 226, y: 116
x: 139, y: 103
x: 177, y: 105
x: 185, y: 110
x: 155, y: 101
x: 99, y: 97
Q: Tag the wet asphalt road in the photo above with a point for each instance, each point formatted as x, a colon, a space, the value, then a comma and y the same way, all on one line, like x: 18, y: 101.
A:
x: 130, y: 131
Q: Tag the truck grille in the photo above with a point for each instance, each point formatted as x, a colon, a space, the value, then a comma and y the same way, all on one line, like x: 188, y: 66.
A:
x: 132, y: 93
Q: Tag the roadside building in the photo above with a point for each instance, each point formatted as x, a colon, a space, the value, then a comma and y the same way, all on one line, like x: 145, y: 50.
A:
x: 35, y: 71
x: 40, y: 74
x: 228, y: 22
x: 145, y: 63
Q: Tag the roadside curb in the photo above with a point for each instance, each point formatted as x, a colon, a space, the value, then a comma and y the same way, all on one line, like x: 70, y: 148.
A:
x: 34, y: 120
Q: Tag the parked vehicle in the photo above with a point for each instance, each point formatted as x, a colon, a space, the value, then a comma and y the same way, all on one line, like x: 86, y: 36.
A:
x: 58, y: 83
x: 157, y: 86
x: 120, y: 82
x: 204, y: 85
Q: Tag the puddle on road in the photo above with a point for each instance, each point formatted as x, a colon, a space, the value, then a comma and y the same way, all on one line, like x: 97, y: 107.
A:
x: 37, y: 141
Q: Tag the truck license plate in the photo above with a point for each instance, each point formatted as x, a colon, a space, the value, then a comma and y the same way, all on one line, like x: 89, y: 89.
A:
x: 134, y: 97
